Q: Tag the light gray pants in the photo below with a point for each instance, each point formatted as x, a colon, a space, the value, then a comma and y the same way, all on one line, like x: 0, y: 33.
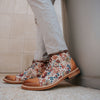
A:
x: 50, y: 37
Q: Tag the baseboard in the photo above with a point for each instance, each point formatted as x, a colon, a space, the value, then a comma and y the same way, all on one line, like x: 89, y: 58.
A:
x: 87, y: 81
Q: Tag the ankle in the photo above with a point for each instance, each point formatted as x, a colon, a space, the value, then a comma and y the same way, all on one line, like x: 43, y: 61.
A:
x: 55, y: 53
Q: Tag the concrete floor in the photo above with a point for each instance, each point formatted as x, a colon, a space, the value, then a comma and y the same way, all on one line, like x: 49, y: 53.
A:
x: 64, y: 91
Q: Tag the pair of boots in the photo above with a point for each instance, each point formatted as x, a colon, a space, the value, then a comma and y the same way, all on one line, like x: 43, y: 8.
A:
x: 44, y: 75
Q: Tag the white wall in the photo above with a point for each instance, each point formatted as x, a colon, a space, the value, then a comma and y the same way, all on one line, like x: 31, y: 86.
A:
x: 84, y: 34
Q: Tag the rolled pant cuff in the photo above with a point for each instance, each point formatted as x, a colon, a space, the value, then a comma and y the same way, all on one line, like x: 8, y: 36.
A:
x: 60, y: 51
x: 40, y: 61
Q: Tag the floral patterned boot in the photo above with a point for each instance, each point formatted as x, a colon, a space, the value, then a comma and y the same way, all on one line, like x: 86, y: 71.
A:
x: 60, y: 66
x: 35, y: 70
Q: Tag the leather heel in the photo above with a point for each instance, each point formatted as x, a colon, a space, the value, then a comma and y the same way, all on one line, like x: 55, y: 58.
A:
x: 74, y: 73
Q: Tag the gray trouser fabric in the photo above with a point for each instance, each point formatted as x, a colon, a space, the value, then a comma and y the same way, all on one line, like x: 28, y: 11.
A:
x: 50, y: 37
x: 52, y: 1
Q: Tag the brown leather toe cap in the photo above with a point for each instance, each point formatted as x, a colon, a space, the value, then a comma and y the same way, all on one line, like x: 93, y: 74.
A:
x: 32, y: 82
x: 11, y: 77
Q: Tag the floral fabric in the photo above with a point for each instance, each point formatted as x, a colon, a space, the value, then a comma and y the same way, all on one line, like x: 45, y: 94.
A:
x: 35, y: 70
x: 58, y: 66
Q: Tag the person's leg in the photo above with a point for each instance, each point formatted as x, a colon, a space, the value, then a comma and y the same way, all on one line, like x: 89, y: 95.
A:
x: 48, y: 22
x: 60, y: 65
x: 40, y: 52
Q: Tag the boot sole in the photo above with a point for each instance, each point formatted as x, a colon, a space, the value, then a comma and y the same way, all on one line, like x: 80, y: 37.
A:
x: 69, y: 75
x: 12, y: 82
